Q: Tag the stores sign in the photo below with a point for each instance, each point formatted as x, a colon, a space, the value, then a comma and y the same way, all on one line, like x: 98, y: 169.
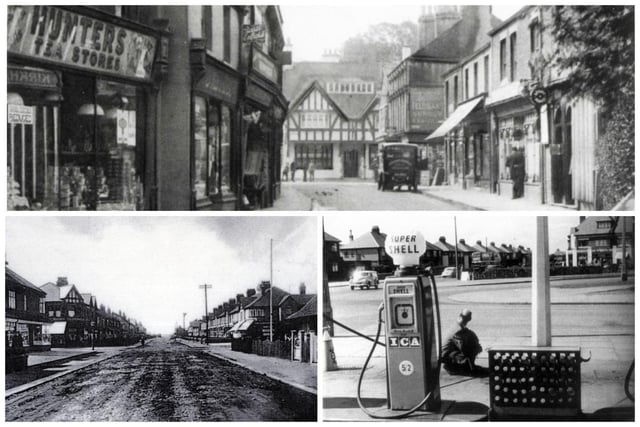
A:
x: 405, y: 249
x: 60, y: 36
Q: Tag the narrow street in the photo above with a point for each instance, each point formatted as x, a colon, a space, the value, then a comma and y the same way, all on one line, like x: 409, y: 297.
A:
x: 163, y: 381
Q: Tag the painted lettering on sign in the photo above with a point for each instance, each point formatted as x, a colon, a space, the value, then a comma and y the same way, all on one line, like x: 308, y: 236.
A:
x: 405, y: 249
x: 404, y: 341
x: 19, y: 114
x: 58, y: 35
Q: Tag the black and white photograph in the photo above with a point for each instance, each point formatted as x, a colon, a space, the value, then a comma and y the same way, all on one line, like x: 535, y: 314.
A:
x: 320, y: 107
x: 453, y: 318
x: 161, y: 319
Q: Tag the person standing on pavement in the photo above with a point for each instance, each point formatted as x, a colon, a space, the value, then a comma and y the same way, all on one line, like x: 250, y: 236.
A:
x: 285, y: 172
x: 293, y: 171
x: 461, y: 349
x: 515, y: 163
x: 312, y: 171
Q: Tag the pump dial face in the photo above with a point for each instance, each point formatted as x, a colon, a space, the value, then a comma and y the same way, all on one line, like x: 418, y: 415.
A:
x: 406, y: 367
x: 404, y: 315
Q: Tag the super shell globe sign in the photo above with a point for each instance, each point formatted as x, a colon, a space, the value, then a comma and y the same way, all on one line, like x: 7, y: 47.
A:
x: 406, y: 248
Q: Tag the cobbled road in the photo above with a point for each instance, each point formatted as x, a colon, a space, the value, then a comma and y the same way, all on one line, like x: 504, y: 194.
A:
x: 163, y: 381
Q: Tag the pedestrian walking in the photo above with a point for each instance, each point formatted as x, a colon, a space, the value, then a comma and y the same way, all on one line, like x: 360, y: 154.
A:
x: 285, y: 173
x: 461, y: 349
x: 312, y: 171
x: 515, y: 163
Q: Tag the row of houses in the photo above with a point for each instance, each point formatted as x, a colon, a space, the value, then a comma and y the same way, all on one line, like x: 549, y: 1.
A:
x: 249, y: 315
x: 368, y: 251
x: 59, y: 315
x: 475, y: 91
x: 595, y: 241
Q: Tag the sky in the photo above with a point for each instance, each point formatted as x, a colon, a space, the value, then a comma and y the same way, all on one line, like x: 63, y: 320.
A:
x: 507, y: 229
x: 151, y: 267
x: 314, y: 28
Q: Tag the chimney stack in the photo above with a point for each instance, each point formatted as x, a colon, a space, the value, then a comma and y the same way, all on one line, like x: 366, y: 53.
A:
x: 62, y: 281
x: 350, y: 236
x: 303, y: 288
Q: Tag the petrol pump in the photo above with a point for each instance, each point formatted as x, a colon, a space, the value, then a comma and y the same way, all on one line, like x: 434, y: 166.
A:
x: 411, y: 319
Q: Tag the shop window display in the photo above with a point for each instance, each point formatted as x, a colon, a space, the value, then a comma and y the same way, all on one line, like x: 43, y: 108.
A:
x: 212, y: 148
x: 75, y: 148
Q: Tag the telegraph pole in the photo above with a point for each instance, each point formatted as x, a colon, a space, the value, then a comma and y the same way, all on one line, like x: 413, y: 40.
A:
x: 623, y: 266
x: 206, y: 310
x: 184, y: 327
x: 455, y: 245
x: 271, y: 290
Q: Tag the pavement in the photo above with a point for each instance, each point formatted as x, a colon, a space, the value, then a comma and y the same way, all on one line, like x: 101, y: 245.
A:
x: 61, y: 362
x: 297, y: 374
x: 466, y: 398
x: 474, y: 198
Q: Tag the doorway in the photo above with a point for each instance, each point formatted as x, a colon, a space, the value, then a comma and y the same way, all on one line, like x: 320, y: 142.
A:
x: 351, y: 163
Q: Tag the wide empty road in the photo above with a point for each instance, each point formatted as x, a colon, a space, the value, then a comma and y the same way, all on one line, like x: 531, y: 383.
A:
x: 163, y: 381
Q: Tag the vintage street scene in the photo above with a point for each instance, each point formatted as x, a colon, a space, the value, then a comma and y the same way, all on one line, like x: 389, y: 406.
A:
x: 161, y: 319
x: 465, y: 319
x: 332, y: 107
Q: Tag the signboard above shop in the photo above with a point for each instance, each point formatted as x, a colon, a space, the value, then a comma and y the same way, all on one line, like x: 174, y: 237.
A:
x: 60, y: 36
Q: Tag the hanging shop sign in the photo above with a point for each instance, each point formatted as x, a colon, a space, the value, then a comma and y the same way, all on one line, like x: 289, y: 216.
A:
x: 253, y: 34
x: 63, y: 37
x: 265, y: 65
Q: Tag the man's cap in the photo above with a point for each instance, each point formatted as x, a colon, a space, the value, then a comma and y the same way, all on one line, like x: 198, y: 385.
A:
x: 464, y: 317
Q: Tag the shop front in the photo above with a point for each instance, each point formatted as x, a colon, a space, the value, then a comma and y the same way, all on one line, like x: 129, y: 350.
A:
x: 35, y: 335
x: 516, y: 129
x: 215, y: 134
x: 77, y: 82
x: 263, y: 117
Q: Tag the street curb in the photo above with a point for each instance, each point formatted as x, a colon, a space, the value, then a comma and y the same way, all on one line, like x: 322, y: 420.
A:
x: 235, y: 362
x: 40, y: 381
x: 63, y: 359
x: 427, y: 193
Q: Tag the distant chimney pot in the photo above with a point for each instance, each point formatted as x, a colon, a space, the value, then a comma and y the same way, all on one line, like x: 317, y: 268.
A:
x: 303, y: 288
x: 62, y: 281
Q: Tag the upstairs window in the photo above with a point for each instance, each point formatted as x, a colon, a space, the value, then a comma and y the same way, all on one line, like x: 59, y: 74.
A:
x: 535, y: 36
x: 12, y: 300
x: 512, y: 54
x: 503, y: 59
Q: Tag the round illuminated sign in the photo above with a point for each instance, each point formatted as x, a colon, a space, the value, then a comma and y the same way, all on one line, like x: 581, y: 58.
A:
x: 406, y: 248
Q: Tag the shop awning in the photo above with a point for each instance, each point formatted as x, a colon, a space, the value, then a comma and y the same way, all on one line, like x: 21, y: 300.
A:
x: 454, y: 119
x: 246, y: 324
x: 57, y: 328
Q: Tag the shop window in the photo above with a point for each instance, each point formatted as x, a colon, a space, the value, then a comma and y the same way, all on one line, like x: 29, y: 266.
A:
x: 212, y: 148
x: 76, y: 150
x: 12, y: 300
x: 320, y: 154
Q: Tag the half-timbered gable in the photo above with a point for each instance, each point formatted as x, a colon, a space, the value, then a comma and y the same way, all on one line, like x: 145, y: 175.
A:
x: 332, y: 120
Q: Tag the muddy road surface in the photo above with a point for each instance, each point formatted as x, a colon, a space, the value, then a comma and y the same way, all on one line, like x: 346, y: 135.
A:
x: 163, y: 381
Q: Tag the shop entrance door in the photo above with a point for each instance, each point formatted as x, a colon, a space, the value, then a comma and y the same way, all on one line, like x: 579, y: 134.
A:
x: 350, y: 164
x: 561, y: 157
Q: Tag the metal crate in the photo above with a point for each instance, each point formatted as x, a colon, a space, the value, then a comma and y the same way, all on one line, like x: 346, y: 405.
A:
x: 534, y: 382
